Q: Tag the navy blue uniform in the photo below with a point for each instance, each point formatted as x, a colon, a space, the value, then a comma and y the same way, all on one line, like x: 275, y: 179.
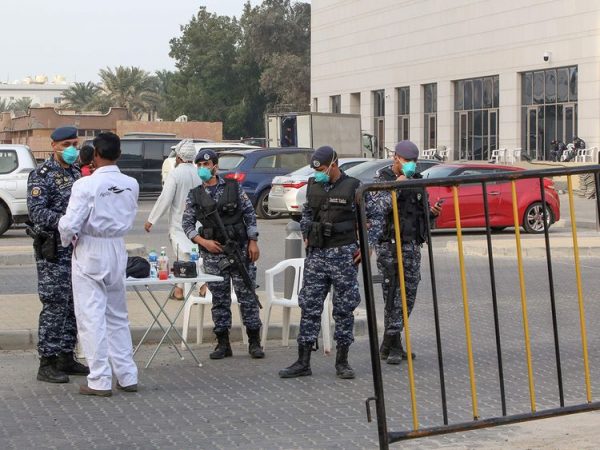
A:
x: 48, y: 193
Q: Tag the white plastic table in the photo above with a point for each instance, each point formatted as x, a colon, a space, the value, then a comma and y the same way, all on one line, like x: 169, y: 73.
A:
x: 148, y: 284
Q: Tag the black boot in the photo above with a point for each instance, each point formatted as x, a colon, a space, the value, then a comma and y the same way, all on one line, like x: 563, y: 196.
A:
x: 66, y: 363
x: 254, y: 347
x: 342, y: 368
x: 404, y: 354
x: 395, y: 355
x: 384, y: 349
x: 223, y: 348
x: 301, y: 367
x: 48, y: 371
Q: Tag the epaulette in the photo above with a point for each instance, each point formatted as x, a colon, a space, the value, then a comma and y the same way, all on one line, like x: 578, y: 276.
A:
x: 43, y: 170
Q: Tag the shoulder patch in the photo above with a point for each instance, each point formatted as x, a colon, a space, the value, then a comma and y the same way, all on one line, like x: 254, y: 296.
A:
x: 36, y: 192
x: 43, y: 171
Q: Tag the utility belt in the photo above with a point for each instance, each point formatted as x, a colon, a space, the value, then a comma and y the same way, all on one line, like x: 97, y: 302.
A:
x: 45, y: 244
x: 237, y: 232
x: 327, y: 234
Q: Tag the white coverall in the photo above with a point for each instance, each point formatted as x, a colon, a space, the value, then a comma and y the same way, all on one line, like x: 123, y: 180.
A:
x: 101, y: 210
x: 178, y: 184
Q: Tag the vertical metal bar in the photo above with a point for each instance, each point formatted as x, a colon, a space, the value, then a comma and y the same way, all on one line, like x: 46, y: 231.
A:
x: 436, y: 316
x: 488, y: 229
x: 411, y: 375
x: 372, y: 325
x: 597, y: 185
x: 586, y: 365
x: 561, y: 394
x: 465, y: 296
x: 523, y: 295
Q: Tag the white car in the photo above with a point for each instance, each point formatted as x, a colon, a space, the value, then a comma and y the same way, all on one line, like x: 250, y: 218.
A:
x: 169, y: 162
x: 284, y: 188
x: 16, y: 162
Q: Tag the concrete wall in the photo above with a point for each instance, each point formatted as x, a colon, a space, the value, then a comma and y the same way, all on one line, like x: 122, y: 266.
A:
x: 359, y: 46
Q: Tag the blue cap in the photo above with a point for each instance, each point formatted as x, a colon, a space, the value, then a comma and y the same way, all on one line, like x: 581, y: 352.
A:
x: 324, y: 155
x: 207, y: 154
x: 63, y: 133
x: 407, y: 150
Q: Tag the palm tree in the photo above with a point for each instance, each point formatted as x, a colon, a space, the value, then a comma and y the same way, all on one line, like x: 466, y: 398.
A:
x: 80, y: 96
x: 5, y: 105
x: 130, y: 87
x: 21, y: 105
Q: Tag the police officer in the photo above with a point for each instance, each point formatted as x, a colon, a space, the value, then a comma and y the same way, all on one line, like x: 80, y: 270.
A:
x: 413, y: 233
x: 225, y: 198
x: 48, y: 192
x: 329, y: 228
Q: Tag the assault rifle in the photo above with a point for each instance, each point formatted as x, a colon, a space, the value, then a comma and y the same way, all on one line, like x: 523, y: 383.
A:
x: 234, y: 257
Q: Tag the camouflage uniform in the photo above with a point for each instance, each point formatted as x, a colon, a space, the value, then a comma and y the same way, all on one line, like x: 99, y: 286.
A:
x: 48, y: 192
x: 221, y: 290
x: 387, y: 261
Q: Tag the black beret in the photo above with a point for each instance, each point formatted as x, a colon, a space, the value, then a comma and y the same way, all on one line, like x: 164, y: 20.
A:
x: 63, y: 133
x: 324, y: 155
x: 407, y: 150
x: 206, y: 154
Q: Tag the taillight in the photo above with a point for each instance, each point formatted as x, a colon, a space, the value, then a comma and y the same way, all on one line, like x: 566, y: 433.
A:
x: 297, y: 185
x: 237, y: 176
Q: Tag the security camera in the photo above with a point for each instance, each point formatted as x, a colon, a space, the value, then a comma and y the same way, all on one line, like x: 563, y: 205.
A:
x: 547, y: 56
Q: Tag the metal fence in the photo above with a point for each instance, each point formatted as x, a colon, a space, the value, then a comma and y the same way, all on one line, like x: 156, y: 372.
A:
x: 385, y: 435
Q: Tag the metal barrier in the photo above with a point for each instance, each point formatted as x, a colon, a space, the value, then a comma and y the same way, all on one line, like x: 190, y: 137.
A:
x: 386, y: 436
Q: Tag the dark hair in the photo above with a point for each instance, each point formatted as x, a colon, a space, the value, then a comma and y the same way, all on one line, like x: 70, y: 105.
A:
x: 108, y: 146
x: 86, y: 154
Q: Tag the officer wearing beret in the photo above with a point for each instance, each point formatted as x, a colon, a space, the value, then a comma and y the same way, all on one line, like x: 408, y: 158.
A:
x: 48, y: 192
x: 332, y: 255
x: 413, y: 232
x: 225, y: 197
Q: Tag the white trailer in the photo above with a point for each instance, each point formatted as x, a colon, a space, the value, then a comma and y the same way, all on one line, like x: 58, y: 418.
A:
x: 312, y: 130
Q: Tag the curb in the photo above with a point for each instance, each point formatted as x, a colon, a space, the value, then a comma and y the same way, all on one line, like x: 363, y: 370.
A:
x: 21, y: 259
x: 27, y: 339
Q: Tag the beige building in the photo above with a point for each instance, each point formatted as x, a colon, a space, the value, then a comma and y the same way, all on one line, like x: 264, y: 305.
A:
x: 473, y: 75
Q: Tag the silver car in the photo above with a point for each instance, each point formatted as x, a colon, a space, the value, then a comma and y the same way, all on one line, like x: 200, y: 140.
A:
x: 284, y: 188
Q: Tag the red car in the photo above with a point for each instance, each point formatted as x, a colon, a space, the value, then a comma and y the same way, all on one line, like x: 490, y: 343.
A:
x: 499, y: 199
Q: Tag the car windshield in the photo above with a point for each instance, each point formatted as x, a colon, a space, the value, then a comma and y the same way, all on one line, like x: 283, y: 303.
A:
x: 438, y: 171
x: 229, y: 162
x: 303, y: 171
x: 367, y: 169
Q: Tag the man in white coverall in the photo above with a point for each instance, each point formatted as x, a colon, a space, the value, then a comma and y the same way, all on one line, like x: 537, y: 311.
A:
x: 101, y: 210
x: 172, y: 199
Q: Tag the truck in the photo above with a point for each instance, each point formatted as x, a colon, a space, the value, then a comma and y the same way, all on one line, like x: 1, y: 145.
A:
x: 312, y: 130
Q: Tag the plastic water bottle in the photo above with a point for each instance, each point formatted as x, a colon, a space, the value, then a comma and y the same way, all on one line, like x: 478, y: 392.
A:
x: 163, y: 264
x: 195, y: 257
x: 153, y: 260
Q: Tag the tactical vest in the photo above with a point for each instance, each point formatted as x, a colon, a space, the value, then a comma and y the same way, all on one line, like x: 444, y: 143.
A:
x: 229, y: 209
x: 333, y: 217
x: 413, y: 226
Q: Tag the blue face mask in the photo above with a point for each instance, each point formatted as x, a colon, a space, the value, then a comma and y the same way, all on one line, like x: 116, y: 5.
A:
x: 204, y: 173
x: 321, y: 177
x: 70, y: 155
x: 409, y: 168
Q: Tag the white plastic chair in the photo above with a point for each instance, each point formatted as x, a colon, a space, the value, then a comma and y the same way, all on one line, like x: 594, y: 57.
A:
x: 274, y: 299
x: 428, y: 154
x: 201, y: 302
x: 499, y: 155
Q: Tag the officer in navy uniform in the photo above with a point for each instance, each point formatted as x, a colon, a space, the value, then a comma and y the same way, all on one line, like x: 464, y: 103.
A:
x: 332, y: 255
x: 413, y: 233
x: 48, y: 192
x: 227, y: 198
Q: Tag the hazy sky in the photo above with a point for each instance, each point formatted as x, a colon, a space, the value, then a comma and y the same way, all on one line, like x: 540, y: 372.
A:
x: 76, y: 38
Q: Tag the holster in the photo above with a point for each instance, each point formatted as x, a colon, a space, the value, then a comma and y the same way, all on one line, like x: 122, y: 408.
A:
x: 45, y: 244
x: 315, y: 235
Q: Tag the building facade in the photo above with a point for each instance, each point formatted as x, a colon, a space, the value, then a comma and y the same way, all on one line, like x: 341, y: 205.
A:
x: 40, y: 94
x: 472, y: 75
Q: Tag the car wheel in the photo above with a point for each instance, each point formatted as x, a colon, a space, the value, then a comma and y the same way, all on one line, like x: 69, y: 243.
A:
x: 262, y: 207
x: 5, y: 220
x: 533, y: 219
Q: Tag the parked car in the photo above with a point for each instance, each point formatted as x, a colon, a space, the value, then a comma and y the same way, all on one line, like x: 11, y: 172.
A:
x: 254, y: 169
x: 366, y: 173
x: 499, y: 199
x: 284, y: 188
x: 169, y: 162
x: 16, y: 162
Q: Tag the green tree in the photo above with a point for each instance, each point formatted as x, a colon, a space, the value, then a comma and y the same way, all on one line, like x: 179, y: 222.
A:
x: 80, y: 96
x: 128, y: 87
x: 21, y: 105
x: 5, y: 105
